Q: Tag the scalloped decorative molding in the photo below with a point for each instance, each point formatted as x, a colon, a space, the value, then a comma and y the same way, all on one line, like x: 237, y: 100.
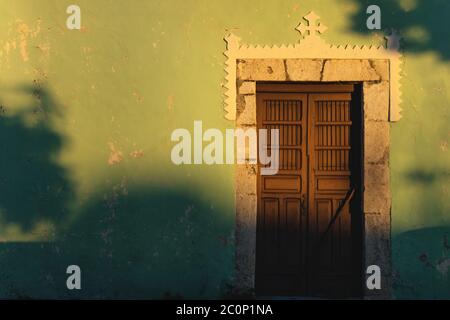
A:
x: 312, y: 46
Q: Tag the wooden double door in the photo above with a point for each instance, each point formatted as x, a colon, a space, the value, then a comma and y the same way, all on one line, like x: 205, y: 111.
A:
x: 309, y: 219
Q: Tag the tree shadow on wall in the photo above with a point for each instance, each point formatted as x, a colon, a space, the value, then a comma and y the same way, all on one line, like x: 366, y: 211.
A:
x: 430, y: 202
x: 155, y: 242
x: 33, y: 186
x: 421, y: 258
x: 423, y: 24
x: 422, y: 263
x: 131, y: 241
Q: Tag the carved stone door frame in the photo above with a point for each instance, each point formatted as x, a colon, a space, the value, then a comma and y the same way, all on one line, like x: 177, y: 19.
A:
x: 377, y: 69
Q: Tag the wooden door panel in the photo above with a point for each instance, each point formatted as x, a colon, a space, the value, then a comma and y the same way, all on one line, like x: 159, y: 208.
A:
x: 271, y: 209
x: 281, y: 226
x: 330, y: 238
x: 293, y: 229
x: 281, y: 183
x: 333, y: 247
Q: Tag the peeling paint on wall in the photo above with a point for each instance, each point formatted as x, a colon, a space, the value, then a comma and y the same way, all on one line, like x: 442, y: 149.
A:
x: 115, y: 156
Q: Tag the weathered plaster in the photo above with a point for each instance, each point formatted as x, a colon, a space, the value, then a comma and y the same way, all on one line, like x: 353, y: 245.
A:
x: 176, y: 219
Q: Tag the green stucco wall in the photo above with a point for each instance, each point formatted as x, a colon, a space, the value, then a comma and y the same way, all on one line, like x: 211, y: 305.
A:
x: 85, y: 124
